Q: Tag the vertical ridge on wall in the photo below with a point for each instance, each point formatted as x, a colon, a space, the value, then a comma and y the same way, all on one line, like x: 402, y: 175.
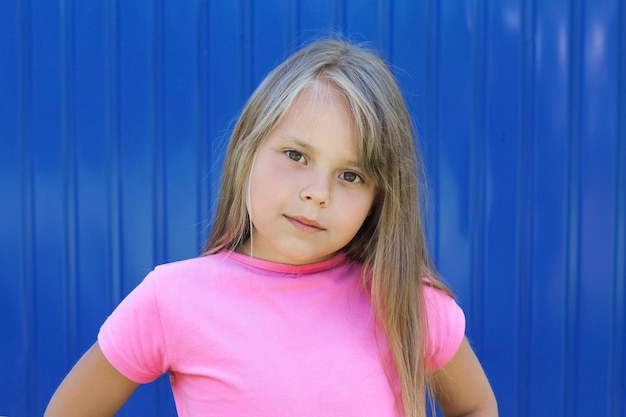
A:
x: 159, y: 130
x: 68, y: 138
x: 433, y: 113
x: 112, y: 134
x: 501, y: 158
x: 385, y: 22
x: 204, y: 119
x: 597, y: 148
x: 525, y: 183
x: 453, y: 183
x: 27, y: 276
x: 224, y: 90
x: 570, y: 376
x: 478, y: 176
x: 246, y: 48
x: 617, y: 361
x: 180, y: 139
x: 339, y: 19
x: 293, y: 24
x: 617, y: 405
x: 549, y: 229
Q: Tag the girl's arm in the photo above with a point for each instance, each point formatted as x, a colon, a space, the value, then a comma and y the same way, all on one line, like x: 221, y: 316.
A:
x: 92, y: 388
x: 461, y: 386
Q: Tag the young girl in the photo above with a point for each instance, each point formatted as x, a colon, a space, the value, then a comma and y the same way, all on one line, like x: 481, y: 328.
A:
x: 315, y: 295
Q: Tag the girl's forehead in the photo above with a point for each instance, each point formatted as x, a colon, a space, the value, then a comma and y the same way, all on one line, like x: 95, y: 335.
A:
x: 314, y: 97
x: 316, y: 110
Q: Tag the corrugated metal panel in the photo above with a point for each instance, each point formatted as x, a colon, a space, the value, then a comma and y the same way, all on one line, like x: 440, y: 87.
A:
x: 114, y: 117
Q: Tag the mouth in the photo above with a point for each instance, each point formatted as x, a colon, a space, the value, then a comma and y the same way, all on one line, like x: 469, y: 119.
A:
x: 305, y: 224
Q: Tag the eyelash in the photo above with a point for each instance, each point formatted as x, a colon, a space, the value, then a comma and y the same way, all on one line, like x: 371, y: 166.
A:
x: 299, y: 156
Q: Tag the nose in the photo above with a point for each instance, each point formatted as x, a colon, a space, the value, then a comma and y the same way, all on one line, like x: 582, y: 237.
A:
x: 317, y: 192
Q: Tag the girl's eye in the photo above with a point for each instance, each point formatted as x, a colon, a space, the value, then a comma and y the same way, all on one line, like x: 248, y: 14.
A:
x: 350, y: 176
x: 295, y: 156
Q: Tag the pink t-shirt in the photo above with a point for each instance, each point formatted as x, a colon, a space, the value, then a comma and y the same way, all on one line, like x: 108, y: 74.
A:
x: 241, y: 336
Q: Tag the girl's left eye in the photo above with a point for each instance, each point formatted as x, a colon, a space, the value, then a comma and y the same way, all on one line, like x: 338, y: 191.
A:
x: 295, y: 156
x: 351, y: 177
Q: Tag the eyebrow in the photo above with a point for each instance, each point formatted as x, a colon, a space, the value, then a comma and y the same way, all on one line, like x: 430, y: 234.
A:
x: 308, y: 148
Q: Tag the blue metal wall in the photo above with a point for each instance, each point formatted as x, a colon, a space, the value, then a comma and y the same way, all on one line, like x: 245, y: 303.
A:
x: 114, y: 117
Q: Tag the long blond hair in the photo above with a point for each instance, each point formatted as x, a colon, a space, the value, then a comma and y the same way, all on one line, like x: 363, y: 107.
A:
x: 391, y: 243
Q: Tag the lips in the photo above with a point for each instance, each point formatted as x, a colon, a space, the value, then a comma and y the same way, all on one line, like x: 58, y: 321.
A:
x: 304, y: 223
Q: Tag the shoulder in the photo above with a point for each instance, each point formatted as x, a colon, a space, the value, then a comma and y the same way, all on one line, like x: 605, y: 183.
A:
x: 200, y: 267
x: 186, y: 266
x: 438, y: 301
x: 446, y: 326
x: 176, y: 279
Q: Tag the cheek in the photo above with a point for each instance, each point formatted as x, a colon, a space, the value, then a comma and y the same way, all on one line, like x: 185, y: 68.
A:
x: 356, y: 209
x: 268, y: 172
x: 265, y: 192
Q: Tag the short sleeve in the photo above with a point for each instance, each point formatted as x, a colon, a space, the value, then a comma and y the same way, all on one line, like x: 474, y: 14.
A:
x: 131, y: 338
x: 446, y: 327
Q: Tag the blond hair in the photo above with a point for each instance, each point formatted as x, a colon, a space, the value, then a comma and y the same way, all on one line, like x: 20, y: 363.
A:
x: 391, y: 243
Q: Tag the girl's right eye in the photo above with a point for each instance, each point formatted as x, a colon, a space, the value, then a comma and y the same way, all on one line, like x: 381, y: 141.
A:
x: 295, y: 156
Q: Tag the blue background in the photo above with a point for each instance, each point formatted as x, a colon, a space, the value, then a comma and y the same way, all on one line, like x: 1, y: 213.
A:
x: 114, y: 116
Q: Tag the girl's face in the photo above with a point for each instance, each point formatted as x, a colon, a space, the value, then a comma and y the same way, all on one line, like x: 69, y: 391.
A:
x: 308, y: 195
